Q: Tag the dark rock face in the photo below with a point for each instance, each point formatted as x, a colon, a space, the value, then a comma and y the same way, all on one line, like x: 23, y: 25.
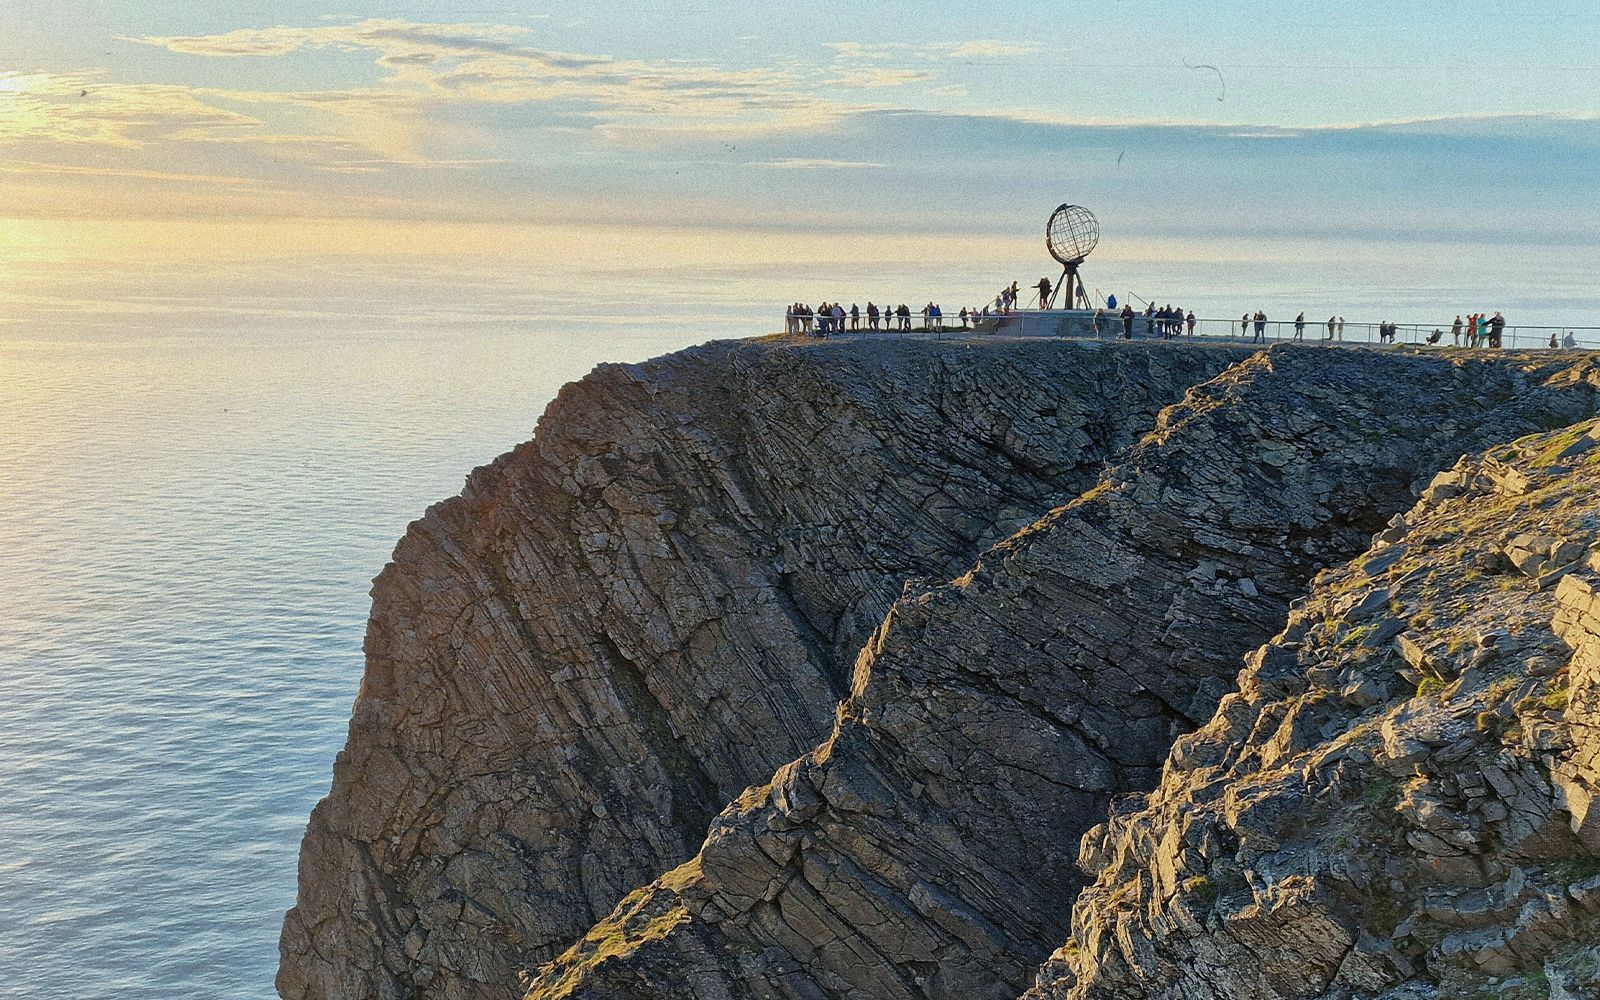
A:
x: 1400, y: 801
x: 620, y: 625
x: 928, y: 848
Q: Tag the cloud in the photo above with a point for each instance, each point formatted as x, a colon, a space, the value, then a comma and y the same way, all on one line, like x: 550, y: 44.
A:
x: 799, y: 163
x: 443, y: 71
x: 984, y: 48
x: 876, y: 77
x: 85, y: 109
x: 991, y: 49
x: 459, y: 121
x: 377, y: 33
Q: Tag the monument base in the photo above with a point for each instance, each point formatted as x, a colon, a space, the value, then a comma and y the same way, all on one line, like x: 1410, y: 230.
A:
x: 1069, y: 323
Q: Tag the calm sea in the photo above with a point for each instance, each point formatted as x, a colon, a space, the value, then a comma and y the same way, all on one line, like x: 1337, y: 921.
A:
x: 202, y: 468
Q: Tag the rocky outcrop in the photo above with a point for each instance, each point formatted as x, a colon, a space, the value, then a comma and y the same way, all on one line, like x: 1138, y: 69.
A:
x: 620, y: 625
x: 1400, y: 800
x: 928, y: 848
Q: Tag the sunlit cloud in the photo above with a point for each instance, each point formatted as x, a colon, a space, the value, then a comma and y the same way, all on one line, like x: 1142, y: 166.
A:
x: 85, y: 108
x: 466, y: 121
x: 881, y: 77
x: 433, y: 66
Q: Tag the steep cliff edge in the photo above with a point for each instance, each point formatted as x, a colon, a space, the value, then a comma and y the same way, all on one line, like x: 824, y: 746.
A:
x: 926, y: 849
x: 1401, y: 800
x: 620, y: 625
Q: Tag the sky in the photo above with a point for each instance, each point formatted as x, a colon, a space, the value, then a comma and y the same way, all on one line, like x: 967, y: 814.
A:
x: 369, y: 123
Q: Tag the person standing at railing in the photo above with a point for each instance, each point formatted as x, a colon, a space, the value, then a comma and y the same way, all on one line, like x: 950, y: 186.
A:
x: 1497, y: 329
x: 1330, y: 329
x: 855, y: 317
x: 1244, y: 325
x: 872, y: 315
x: 1127, y: 321
x: 1300, y: 326
x: 1455, y: 331
x: 1189, y: 321
x: 1261, y: 325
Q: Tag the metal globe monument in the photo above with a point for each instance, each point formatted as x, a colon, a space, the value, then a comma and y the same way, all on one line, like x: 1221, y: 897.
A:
x: 1071, y: 235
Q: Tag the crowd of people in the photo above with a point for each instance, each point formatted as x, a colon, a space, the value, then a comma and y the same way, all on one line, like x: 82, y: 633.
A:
x: 1167, y: 321
x: 831, y: 318
x: 1482, y: 330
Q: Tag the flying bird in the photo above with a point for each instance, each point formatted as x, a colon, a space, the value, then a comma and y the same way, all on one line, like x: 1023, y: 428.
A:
x: 1221, y: 83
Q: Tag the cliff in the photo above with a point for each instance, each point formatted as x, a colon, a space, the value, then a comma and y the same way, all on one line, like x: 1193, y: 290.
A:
x: 1400, y: 801
x: 928, y: 847
x: 833, y: 654
x: 619, y: 626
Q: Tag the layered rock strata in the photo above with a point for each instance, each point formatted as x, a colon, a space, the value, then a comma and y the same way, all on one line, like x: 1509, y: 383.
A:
x: 1400, y: 801
x: 927, y: 848
x: 620, y: 625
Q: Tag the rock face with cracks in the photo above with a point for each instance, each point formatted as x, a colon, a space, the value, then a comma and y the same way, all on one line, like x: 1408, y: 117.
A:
x: 610, y: 662
x: 622, y: 624
x: 1400, y: 800
x: 928, y: 847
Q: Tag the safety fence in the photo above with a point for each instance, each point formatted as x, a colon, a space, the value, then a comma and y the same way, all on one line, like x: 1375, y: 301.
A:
x: 1519, y: 336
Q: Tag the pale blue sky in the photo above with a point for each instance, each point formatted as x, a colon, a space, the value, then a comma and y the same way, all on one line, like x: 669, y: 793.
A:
x: 1402, y: 119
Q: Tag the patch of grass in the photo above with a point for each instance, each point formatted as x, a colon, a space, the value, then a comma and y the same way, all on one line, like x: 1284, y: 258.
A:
x: 1492, y: 723
x: 1356, y: 636
x: 1553, y: 700
x: 1381, y: 791
x: 1569, y: 870
x: 1430, y: 685
x: 1202, y: 889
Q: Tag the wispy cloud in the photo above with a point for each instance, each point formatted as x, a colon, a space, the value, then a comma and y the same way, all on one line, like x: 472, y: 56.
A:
x: 435, y: 65
x: 977, y: 49
x: 461, y: 120
x: 800, y: 163
x: 86, y: 108
x: 378, y: 33
x: 877, y: 77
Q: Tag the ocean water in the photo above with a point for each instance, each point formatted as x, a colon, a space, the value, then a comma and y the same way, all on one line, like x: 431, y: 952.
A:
x: 204, y: 462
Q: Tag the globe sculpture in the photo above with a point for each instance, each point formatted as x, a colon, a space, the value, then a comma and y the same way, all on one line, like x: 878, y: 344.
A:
x: 1070, y: 235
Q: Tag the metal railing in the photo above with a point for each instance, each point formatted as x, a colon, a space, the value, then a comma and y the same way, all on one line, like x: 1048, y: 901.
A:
x: 1520, y: 336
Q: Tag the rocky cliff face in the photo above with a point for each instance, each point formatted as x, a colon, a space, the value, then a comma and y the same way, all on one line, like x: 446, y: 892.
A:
x: 1400, y: 801
x: 917, y: 554
x: 927, y: 848
x: 656, y: 603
